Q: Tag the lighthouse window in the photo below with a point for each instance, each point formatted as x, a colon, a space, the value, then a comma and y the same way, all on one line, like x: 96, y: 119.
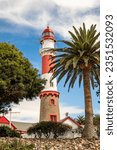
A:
x: 52, y: 102
x: 51, y: 84
x: 48, y: 33
x: 51, y: 34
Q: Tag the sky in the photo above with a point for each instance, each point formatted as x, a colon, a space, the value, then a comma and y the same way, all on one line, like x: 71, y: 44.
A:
x: 22, y: 23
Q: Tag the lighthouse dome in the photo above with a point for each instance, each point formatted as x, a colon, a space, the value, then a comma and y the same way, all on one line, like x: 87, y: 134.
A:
x: 48, y: 34
x: 48, y: 30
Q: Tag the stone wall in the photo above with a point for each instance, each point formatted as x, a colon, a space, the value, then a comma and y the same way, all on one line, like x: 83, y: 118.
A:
x: 60, y: 144
x: 46, y: 109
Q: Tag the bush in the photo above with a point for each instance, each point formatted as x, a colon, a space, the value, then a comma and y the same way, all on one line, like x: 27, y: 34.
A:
x: 47, y: 128
x: 59, y: 129
x: 8, y: 132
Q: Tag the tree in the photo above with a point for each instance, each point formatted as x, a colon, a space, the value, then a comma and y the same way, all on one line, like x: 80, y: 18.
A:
x: 48, y: 128
x: 33, y: 130
x: 96, y: 121
x: 4, y: 107
x: 41, y: 128
x: 81, y: 59
x: 80, y: 119
x: 59, y: 129
x: 18, y: 78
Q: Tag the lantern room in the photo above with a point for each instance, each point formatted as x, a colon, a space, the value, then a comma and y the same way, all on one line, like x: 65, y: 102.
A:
x: 48, y: 39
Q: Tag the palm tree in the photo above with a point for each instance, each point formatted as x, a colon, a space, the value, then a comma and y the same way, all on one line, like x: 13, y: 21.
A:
x: 80, y: 119
x: 81, y: 59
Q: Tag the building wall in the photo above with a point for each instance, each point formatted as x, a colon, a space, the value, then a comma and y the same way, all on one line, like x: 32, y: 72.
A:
x: 72, y: 124
x: 46, y: 109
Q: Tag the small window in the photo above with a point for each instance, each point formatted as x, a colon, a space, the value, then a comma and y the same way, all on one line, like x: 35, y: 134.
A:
x: 48, y: 34
x: 52, y: 102
x: 53, y: 118
x: 51, y: 84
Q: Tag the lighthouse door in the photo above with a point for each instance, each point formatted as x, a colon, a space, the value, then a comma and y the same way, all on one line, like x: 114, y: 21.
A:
x: 53, y: 118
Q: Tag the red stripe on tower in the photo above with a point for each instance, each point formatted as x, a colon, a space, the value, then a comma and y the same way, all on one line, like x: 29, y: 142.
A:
x: 46, y: 63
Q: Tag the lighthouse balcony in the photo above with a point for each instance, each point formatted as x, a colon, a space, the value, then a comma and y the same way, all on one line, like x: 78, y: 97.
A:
x: 47, y: 51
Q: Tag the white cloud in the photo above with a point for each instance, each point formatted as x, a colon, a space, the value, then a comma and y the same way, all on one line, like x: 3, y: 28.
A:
x: 72, y: 110
x: 29, y: 111
x: 76, y: 4
x: 61, y: 15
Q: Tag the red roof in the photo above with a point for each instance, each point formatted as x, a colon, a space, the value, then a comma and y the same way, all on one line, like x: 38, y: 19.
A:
x: 48, y: 29
x: 48, y: 34
x: 69, y: 118
x: 4, y: 120
x: 14, y: 125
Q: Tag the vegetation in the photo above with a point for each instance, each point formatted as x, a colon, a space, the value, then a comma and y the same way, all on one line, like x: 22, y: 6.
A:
x: 6, y: 131
x: 59, y: 129
x: 80, y: 119
x: 4, y: 107
x: 48, y: 128
x: 81, y: 59
x: 18, y: 78
x: 96, y: 121
x: 15, y: 145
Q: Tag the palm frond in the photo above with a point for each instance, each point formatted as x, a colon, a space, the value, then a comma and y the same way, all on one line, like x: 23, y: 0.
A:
x: 73, y: 36
x: 68, y: 76
x: 81, y: 52
x: 80, y: 79
x: 73, y: 79
x: 61, y: 75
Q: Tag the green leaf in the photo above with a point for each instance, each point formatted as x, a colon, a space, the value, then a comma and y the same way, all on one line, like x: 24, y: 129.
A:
x: 75, y: 61
x: 68, y: 76
x: 73, y: 36
x: 18, y: 75
x: 68, y: 63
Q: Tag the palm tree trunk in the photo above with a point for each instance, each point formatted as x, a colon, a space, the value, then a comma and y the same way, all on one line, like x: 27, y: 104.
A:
x: 89, y: 127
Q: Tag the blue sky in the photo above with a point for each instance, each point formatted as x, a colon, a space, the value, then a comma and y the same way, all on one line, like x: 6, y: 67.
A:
x: 21, y: 24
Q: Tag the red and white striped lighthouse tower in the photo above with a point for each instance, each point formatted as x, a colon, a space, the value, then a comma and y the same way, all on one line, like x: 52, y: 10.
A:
x: 49, y: 108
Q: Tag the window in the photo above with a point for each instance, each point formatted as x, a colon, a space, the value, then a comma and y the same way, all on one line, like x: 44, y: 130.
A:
x: 48, y: 34
x: 53, y: 118
x: 51, y: 84
x: 52, y: 102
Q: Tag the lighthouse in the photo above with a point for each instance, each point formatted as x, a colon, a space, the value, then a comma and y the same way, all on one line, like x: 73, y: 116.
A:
x: 49, y: 96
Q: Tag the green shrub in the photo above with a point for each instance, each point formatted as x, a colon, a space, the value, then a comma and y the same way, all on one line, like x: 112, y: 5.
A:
x: 48, y: 128
x: 59, y: 129
x: 6, y: 131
